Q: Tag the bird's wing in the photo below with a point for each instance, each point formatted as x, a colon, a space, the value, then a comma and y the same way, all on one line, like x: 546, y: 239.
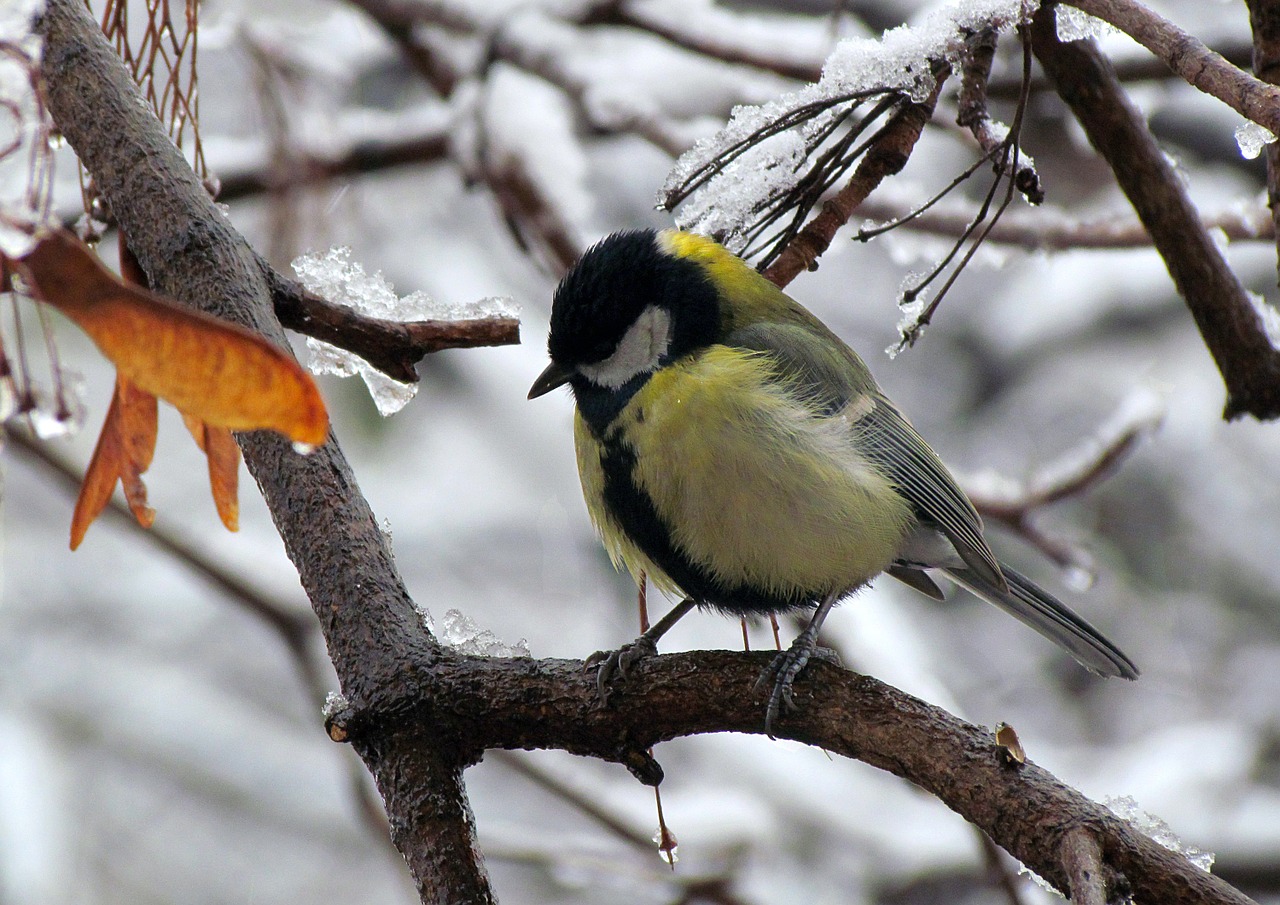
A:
x: 836, y: 381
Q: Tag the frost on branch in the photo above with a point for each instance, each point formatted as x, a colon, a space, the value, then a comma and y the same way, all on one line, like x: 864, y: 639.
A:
x: 734, y: 184
x: 1252, y: 138
x: 336, y: 277
x: 1158, y: 830
x: 460, y: 632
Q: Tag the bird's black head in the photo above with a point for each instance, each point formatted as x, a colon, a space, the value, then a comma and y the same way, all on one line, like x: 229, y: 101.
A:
x: 611, y: 288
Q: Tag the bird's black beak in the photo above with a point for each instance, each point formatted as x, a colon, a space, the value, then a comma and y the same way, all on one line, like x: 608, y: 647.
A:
x: 555, y: 375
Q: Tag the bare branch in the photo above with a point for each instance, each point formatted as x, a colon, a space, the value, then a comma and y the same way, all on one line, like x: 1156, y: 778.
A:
x: 528, y: 210
x: 1231, y: 327
x: 189, y: 251
x: 723, y: 35
x: 1082, y: 862
x: 428, y: 145
x: 1016, y: 504
x: 1186, y: 55
x: 479, y: 703
x: 1049, y: 228
x: 296, y: 630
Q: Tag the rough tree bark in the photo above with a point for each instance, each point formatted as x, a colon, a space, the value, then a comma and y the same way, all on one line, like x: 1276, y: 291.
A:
x: 419, y: 713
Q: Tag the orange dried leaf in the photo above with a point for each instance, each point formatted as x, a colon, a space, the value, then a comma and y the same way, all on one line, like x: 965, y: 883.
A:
x: 215, y: 371
x: 224, y: 474
x: 195, y: 427
x: 124, y: 451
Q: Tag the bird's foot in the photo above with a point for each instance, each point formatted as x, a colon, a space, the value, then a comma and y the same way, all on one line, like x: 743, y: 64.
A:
x: 782, y: 672
x: 616, y: 664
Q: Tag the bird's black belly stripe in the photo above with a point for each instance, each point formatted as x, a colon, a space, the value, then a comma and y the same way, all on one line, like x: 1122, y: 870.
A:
x: 635, y: 513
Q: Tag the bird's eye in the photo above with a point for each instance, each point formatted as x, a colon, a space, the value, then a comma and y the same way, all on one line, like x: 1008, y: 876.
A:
x: 600, y: 351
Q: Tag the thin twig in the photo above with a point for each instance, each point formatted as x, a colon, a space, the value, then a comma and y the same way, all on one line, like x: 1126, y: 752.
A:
x: 1049, y: 228
x: 307, y: 169
x: 998, y: 869
x: 886, y: 157
x: 1082, y: 863
x: 575, y: 797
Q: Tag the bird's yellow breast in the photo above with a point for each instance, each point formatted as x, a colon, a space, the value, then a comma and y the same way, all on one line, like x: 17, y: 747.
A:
x: 751, y: 483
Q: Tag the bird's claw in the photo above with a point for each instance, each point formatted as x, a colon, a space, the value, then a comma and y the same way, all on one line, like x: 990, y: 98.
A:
x: 617, y: 664
x: 781, y: 673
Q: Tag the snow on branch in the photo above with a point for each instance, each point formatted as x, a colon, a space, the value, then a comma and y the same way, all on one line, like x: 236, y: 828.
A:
x: 783, y: 156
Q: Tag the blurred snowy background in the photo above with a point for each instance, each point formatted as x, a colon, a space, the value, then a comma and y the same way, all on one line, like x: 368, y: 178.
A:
x: 157, y: 743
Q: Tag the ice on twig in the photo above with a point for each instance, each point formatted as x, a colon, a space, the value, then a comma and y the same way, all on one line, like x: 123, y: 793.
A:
x: 1076, y: 25
x: 334, y: 704
x: 859, y: 68
x: 460, y: 632
x: 333, y: 275
x: 1252, y: 138
x: 424, y: 616
x: 1126, y: 808
x: 54, y: 412
x: 910, y: 312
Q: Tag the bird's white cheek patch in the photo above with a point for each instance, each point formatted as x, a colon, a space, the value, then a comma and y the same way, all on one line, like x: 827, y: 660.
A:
x: 640, y: 350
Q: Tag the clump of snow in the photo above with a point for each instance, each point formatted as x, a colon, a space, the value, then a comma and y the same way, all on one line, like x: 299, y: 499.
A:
x: 424, y: 616
x: 911, y: 311
x: 1077, y: 25
x: 1126, y: 808
x: 762, y: 165
x: 1252, y: 138
x: 334, y: 703
x: 460, y: 632
x: 333, y: 275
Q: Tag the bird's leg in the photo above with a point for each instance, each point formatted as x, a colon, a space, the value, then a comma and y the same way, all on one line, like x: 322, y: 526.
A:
x: 620, y: 661
x: 788, y: 664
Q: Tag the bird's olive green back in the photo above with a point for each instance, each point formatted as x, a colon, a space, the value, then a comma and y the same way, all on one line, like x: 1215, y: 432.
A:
x: 821, y: 368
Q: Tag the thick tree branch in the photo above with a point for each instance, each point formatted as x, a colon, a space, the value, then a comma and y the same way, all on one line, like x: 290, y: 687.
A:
x: 1186, y: 55
x: 420, y: 713
x: 1231, y: 327
x: 478, y: 703
x: 191, y: 253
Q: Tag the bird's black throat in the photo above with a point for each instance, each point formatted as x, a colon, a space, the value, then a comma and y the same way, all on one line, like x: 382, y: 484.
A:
x: 635, y: 513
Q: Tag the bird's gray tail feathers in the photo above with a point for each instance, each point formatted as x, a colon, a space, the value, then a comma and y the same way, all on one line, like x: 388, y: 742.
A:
x: 1043, y: 612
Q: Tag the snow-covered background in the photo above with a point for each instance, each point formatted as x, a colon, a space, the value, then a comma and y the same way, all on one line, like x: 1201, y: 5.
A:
x: 157, y: 743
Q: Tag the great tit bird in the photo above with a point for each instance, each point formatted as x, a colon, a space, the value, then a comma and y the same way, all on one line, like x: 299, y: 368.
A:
x: 736, y: 451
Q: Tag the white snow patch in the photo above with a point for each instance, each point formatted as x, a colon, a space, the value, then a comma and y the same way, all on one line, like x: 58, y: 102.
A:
x: 460, y: 631
x: 1252, y: 138
x: 898, y: 62
x: 333, y: 275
